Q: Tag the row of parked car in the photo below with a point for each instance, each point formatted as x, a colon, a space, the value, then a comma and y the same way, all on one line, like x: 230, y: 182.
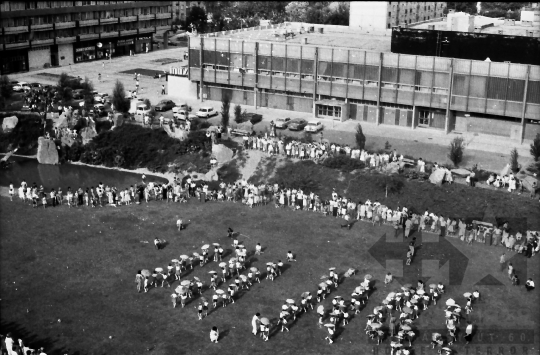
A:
x: 180, y: 111
x: 298, y: 124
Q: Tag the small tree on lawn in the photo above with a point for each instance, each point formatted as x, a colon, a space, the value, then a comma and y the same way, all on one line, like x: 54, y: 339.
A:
x: 5, y: 90
x: 535, y: 147
x: 225, y: 108
x: 456, y: 150
x: 360, y: 137
x: 87, y: 92
x: 238, y: 114
x: 514, y: 164
x: 121, y: 104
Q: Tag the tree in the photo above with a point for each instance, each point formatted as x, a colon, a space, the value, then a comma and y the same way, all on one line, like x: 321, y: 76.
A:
x: 5, y: 90
x: 238, y: 114
x: 197, y: 18
x: 514, y: 164
x: 390, y: 184
x: 225, y: 108
x: 339, y: 14
x: 297, y: 10
x: 457, y: 147
x: 535, y: 147
x: 87, y: 92
x: 360, y: 137
x: 119, y: 100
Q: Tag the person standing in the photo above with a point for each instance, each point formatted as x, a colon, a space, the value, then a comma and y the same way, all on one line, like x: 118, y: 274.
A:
x: 529, y: 284
x: 179, y: 224
x: 510, y: 271
x: 162, y: 88
x: 255, y: 323
x: 139, y: 280
x: 214, y: 333
x: 502, y: 261
x: 468, y: 332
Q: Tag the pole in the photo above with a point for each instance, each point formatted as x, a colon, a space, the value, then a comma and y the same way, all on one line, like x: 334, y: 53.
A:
x: 110, y: 52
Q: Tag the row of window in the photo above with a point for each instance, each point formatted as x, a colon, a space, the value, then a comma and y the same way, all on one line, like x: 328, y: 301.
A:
x: 32, y: 5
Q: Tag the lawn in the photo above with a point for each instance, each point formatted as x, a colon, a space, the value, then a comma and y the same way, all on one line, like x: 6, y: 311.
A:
x: 68, y: 280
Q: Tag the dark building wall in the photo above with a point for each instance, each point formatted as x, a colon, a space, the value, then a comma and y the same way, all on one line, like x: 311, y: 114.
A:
x: 465, y: 45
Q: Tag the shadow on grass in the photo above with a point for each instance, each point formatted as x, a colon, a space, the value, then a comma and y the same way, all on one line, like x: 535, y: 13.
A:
x: 32, y: 340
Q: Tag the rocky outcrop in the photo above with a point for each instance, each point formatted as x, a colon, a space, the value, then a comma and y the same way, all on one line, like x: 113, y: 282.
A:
x: 9, y: 123
x: 47, y: 152
x: 222, y: 153
x: 87, y: 134
x: 118, y: 120
x: 177, y: 133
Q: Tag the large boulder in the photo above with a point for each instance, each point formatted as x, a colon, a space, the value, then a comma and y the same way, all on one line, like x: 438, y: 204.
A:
x: 222, y: 153
x: 118, y: 119
x: 88, y: 133
x: 177, y: 133
x: 392, y: 168
x: 461, y: 172
x: 211, y: 176
x: 437, y: 176
x: 47, y: 152
x: 9, y: 123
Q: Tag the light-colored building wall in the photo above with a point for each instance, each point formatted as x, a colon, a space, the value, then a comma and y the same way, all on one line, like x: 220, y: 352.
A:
x: 378, y: 15
x: 65, y: 54
x: 38, y: 57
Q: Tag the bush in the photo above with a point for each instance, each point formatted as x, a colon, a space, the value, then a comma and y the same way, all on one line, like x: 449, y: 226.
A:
x: 390, y: 184
x: 229, y: 172
x: 514, y: 164
x: 535, y: 147
x: 5, y: 90
x: 24, y: 136
x: 360, y: 137
x: 121, y: 104
x: 456, y: 151
x: 387, y: 145
x: 198, y: 123
x: 343, y: 163
x: 255, y: 118
x: 299, y: 175
x: 238, y: 114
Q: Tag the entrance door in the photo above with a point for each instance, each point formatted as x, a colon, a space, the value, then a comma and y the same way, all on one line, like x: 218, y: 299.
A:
x: 424, y: 118
x: 54, y: 56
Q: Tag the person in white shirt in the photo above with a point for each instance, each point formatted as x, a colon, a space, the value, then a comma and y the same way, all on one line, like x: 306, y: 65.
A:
x: 214, y: 335
x: 255, y: 323
x: 529, y: 284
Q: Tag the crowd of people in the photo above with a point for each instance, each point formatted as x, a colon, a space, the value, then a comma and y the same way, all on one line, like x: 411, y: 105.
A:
x: 16, y: 346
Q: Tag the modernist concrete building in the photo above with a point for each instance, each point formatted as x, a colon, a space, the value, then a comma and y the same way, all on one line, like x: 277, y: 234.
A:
x: 57, y: 33
x: 269, y: 68
x: 380, y: 15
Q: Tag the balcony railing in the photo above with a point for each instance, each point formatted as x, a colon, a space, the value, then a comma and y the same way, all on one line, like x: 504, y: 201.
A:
x: 147, y: 30
x: 128, y: 18
x: 60, y: 25
x: 164, y: 15
x: 46, y: 26
x: 61, y: 40
x: 109, y: 34
x: 128, y: 32
x: 83, y: 23
x: 16, y: 29
x: 165, y: 27
x: 147, y: 17
x: 86, y: 36
x: 17, y: 44
x: 42, y: 42
x: 105, y: 21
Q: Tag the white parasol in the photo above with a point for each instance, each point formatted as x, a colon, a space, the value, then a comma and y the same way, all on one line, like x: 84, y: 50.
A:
x: 185, y: 283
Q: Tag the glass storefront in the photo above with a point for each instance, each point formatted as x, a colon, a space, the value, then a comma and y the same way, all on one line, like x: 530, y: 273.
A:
x: 13, y: 61
x: 84, y: 54
x: 123, y: 46
x: 143, y: 43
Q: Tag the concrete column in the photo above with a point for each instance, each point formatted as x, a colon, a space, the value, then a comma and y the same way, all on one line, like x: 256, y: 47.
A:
x: 449, y: 98
x: 315, y: 79
x: 201, y: 61
x: 414, y: 117
x: 379, y: 89
x: 524, y: 104
x: 256, y: 70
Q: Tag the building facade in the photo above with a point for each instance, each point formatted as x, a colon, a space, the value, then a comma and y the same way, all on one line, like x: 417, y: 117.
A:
x: 181, y: 8
x: 382, y: 88
x: 56, y: 33
x: 380, y: 15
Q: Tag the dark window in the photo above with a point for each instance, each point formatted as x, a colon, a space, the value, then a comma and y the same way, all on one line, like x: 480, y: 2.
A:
x: 307, y: 66
x: 516, y: 89
x: 496, y: 88
x: 533, y: 92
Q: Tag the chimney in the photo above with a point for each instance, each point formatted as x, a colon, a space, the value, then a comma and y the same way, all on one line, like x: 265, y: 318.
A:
x: 305, y: 40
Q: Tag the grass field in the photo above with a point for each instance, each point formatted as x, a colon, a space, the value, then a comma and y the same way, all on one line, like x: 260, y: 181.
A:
x: 78, y: 266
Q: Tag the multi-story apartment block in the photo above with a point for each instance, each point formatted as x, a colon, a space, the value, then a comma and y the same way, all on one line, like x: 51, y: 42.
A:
x: 181, y: 8
x: 380, y: 15
x: 37, y: 34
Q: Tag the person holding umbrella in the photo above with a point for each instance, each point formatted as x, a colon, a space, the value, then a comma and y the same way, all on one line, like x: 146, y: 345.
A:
x: 265, y: 328
x: 215, y: 299
x: 283, y: 320
x: 213, y: 280
x: 255, y: 322
x: 320, y: 312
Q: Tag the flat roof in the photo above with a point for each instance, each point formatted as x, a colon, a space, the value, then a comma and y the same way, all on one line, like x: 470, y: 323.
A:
x: 508, y: 30
x: 364, y: 41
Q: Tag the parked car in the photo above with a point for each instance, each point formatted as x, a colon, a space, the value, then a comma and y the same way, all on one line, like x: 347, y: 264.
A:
x: 297, y: 124
x: 142, y: 110
x: 206, y: 112
x: 282, y: 122
x: 313, y: 126
x: 164, y: 105
x: 101, y: 98
x: 181, y: 107
x: 184, y: 116
x: 21, y: 86
x: 36, y: 85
